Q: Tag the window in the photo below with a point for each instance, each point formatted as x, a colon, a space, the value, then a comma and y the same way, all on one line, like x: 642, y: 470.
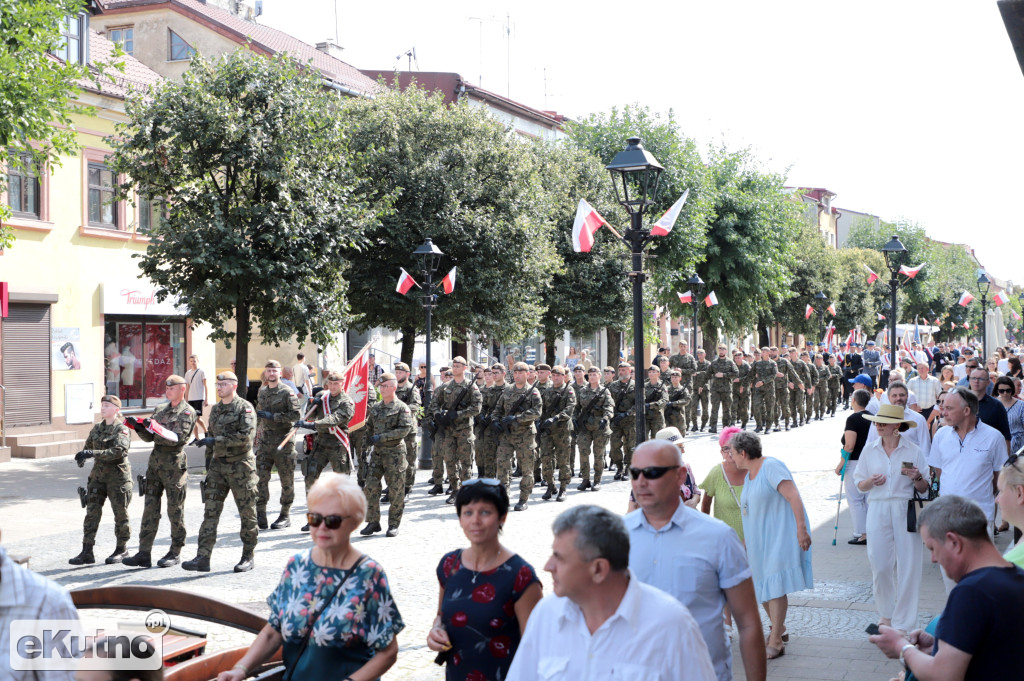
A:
x: 139, y: 354
x: 102, y: 210
x: 151, y: 214
x: 124, y: 37
x: 72, y: 42
x: 179, y: 48
x: 23, y: 188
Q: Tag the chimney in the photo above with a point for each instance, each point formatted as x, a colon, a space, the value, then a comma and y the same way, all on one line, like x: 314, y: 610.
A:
x: 331, y: 48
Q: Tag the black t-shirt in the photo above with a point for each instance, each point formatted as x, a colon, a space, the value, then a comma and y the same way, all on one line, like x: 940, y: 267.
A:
x: 992, y: 412
x: 984, y: 613
x: 860, y: 425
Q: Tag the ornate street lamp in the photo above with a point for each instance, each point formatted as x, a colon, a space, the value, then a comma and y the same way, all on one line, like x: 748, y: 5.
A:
x: 696, y: 285
x: 895, y: 253
x: 984, y: 285
x: 821, y: 298
x: 635, y: 177
x: 428, y: 257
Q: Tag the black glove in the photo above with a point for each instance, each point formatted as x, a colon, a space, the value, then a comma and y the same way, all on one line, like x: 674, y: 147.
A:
x: 146, y: 422
x: 478, y: 419
x: 83, y: 456
x: 304, y: 424
x: 134, y: 424
x: 205, y: 442
x: 374, y: 439
x: 618, y: 418
x: 265, y: 414
x: 548, y: 423
x: 497, y: 426
x: 509, y: 420
x: 603, y: 423
x: 449, y: 417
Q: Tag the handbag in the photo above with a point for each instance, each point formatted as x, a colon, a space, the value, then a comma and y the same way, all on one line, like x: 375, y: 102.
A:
x: 912, y: 512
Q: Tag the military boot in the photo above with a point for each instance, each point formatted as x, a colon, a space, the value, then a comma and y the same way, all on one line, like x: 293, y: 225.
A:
x: 85, y: 557
x: 282, y: 521
x: 200, y: 563
x: 583, y: 486
x: 386, y: 496
x: 549, y: 493
x: 169, y: 560
x: 261, y: 519
x: 561, y: 494
x: 140, y: 559
x: 597, y: 484
x: 435, y: 490
x: 370, y: 529
x: 119, y: 554
x: 246, y: 563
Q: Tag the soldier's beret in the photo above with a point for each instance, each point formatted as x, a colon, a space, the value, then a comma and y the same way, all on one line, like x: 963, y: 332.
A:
x: 675, y: 372
x: 388, y: 376
x: 595, y: 370
x: 543, y: 367
x: 558, y: 370
x: 335, y: 376
x: 227, y: 376
x: 650, y: 369
x: 175, y: 379
x: 498, y: 366
x: 609, y: 368
x: 401, y: 366
x: 520, y: 366
x: 272, y: 364
x: 113, y: 399
x: 625, y: 364
x: 459, y: 360
x: 579, y: 368
x: 660, y: 359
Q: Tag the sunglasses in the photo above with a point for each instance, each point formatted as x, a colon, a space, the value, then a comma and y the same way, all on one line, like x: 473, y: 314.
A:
x: 332, y: 522
x: 1013, y: 458
x: 651, y: 472
x: 1005, y: 391
x: 490, y: 482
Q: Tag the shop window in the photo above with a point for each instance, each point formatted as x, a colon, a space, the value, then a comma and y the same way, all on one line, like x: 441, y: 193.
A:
x: 139, y: 355
x: 151, y: 214
x: 124, y: 37
x: 72, y: 48
x: 102, y: 207
x: 180, y: 50
x: 23, y: 188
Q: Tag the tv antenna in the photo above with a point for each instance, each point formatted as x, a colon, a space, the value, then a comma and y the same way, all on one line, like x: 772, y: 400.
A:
x: 506, y: 25
x: 411, y: 55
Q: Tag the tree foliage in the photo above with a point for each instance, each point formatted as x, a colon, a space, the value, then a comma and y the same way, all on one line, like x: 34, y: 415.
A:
x: 263, y: 204
x: 815, y: 269
x: 858, y: 303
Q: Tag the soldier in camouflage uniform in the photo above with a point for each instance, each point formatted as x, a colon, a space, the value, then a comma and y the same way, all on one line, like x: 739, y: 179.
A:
x: 167, y: 473
x: 655, y: 398
x: 623, y: 439
x: 455, y: 404
x: 487, y: 442
x: 687, y: 366
x: 678, y: 401
x: 720, y: 374
x: 763, y: 391
x: 437, y: 476
x: 661, y: 361
x: 408, y: 394
x: 554, y: 433
x: 388, y: 422
x: 740, y: 413
x: 798, y: 394
x: 835, y: 384
x: 579, y: 379
x: 329, y: 415
x: 820, y: 387
x: 479, y: 429
x: 699, y: 404
x: 277, y: 408
x: 811, y: 391
x: 542, y: 384
x: 594, y: 410
x: 514, y: 415
x: 786, y: 379
x: 232, y: 468
x: 110, y: 478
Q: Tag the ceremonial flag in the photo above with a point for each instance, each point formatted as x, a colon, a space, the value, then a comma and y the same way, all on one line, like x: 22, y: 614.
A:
x: 664, y: 225
x: 906, y: 345
x: 952, y: 325
x: 449, y: 281
x: 911, y: 272
x: 1000, y: 298
x: 966, y: 325
x: 831, y: 309
x: 405, y: 282
x: 685, y: 298
x: 357, y: 385
x: 881, y: 317
x: 849, y: 341
x: 808, y: 312
x: 711, y: 299
x: 965, y: 299
x: 917, y: 331
x: 1013, y: 313
x: 586, y: 223
x: 872, y: 277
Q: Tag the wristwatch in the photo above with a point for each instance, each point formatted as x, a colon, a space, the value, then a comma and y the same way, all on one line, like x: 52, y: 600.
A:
x: 903, y: 650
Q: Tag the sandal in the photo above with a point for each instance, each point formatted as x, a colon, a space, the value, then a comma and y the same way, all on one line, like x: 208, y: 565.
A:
x: 774, y: 653
x: 785, y: 634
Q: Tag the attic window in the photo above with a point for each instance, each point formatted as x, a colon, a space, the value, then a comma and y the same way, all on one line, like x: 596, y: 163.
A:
x: 123, y: 36
x: 180, y: 50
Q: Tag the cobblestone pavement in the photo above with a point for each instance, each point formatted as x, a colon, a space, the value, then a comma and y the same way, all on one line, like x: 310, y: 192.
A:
x: 40, y: 516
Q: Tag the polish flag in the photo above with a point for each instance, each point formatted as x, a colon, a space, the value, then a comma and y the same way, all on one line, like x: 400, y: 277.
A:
x: 872, y: 277
x: 952, y: 325
x: 405, y: 282
x: 1000, y: 298
x: 586, y: 223
x: 881, y: 317
x: 911, y: 272
x: 831, y: 309
x: 449, y: 281
x: 966, y: 325
x: 965, y: 299
x: 1013, y: 313
x: 667, y: 221
x: 711, y: 299
x: 685, y: 298
x: 808, y: 312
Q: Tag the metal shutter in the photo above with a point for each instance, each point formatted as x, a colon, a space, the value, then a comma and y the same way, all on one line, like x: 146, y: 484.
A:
x: 26, y: 367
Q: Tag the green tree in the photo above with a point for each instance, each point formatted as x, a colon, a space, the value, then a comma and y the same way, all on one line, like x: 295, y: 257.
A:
x: 463, y: 180
x: 263, y: 204
x: 857, y: 302
x: 815, y: 270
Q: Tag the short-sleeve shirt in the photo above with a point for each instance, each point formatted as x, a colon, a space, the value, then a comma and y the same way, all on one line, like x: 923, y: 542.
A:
x: 196, y: 390
x: 479, y: 614
x: 967, y: 466
x: 726, y: 499
x: 862, y: 427
x: 985, y: 608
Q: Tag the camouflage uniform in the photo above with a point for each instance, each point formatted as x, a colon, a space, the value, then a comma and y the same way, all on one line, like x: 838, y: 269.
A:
x: 554, y: 439
x: 721, y: 389
x: 687, y: 365
x: 798, y: 395
x: 393, y: 422
x: 519, y: 436
x: 741, y: 395
x: 542, y: 388
x: 327, y: 448
x: 655, y: 399
x: 284, y: 405
x: 574, y: 446
x: 789, y: 375
x: 675, y: 408
x: 835, y: 384
x: 232, y: 468
x: 487, y: 438
x: 411, y: 396
x: 453, y: 444
x: 110, y: 478
x: 763, y: 398
x: 592, y: 435
x: 167, y: 473
x: 700, y: 396
x: 820, y: 391
x: 624, y: 432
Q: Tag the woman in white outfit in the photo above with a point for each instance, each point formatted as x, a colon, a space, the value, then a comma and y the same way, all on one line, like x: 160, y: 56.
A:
x: 890, y: 469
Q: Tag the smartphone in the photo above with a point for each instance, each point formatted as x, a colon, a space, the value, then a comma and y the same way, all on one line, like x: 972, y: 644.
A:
x: 872, y: 629
x: 908, y: 464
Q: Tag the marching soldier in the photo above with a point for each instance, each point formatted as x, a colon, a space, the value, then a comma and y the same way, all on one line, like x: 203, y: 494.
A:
x: 687, y: 366
x: 277, y: 408
x: 232, y: 468
x: 514, y: 415
x: 835, y: 379
x: 700, y: 394
x: 624, y: 421
x: 454, y: 405
x: 388, y: 422
x: 655, y: 398
x: 579, y: 379
x: 543, y: 384
x: 811, y: 392
x: 479, y: 429
x: 408, y: 394
x: 764, y: 374
x: 662, y: 362
x: 798, y: 394
x: 720, y: 373
x: 820, y: 386
x: 786, y: 379
x: 740, y: 392
x: 110, y: 478
x: 487, y: 442
x: 167, y: 473
x: 329, y: 415
x: 678, y: 401
x: 437, y: 461
x: 554, y: 432
x: 608, y: 376
x: 594, y: 411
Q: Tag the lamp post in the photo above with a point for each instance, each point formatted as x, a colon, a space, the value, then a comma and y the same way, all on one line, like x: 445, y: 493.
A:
x: 984, y: 285
x: 697, y: 286
x: 895, y: 253
x: 635, y: 176
x: 821, y: 298
x: 428, y: 257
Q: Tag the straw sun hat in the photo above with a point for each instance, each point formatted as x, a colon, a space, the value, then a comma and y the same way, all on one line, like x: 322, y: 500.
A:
x: 892, y: 413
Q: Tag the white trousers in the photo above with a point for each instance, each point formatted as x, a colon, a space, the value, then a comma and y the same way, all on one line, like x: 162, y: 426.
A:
x: 895, y: 558
x: 856, y: 500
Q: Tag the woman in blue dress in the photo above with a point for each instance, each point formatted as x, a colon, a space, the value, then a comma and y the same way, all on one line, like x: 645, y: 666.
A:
x: 332, y: 611
x: 777, y: 533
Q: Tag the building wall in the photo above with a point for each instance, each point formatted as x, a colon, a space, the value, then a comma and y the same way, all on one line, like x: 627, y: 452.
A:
x: 521, y: 125
x: 848, y: 219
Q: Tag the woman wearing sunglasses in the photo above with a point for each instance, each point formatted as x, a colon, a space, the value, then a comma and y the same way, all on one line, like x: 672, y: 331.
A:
x: 332, y: 611
x: 1011, y: 502
x: 1005, y: 390
x: 487, y: 591
x: 777, y: 533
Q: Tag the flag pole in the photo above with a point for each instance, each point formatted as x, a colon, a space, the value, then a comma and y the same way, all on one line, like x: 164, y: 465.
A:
x: 614, y: 231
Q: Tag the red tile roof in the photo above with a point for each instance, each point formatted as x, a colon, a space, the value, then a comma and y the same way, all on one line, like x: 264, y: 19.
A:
x: 135, y: 77
x: 270, y: 40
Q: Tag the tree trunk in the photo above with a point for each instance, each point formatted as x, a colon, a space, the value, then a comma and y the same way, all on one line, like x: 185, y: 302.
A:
x: 460, y: 348
x: 549, y: 347
x: 408, y: 345
x: 614, y: 348
x: 242, y: 331
x: 762, y: 334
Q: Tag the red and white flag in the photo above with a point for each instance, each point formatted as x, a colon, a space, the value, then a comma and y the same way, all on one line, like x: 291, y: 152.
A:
x: 849, y: 341
x: 711, y: 299
x: 357, y: 385
x: 448, y: 283
x: 808, y: 312
x: 831, y: 309
x: 685, y: 298
x: 911, y: 272
x: 872, y: 277
x: 965, y: 299
x: 405, y: 282
x: 966, y: 325
x: 952, y: 325
x: 1013, y: 313
x: 881, y: 317
x: 1000, y: 298
x: 667, y: 221
x: 586, y: 223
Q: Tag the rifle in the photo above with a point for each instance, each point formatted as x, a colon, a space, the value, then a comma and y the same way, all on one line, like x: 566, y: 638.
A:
x: 432, y: 426
x: 514, y: 411
x: 291, y: 433
x: 676, y: 404
x: 619, y: 415
x: 556, y: 411
x: 585, y: 414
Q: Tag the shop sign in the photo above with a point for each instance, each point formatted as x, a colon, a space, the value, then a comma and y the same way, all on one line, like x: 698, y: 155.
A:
x: 138, y: 298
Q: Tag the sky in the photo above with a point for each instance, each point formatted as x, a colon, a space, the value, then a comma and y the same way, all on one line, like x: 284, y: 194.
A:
x: 905, y: 109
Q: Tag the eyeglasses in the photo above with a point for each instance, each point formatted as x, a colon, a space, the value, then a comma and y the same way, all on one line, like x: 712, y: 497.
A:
x: 651, y: 472
x: 332, y: 522
x: 979, y: 378
x: 490, y: 482
x: 1005, y: 391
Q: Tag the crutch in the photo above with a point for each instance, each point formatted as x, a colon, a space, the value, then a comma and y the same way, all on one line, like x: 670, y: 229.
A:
x: 842, y: 479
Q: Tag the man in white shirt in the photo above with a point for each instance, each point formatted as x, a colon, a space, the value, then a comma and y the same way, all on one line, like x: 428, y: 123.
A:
x: 864, y: 382
x: 665, y: 536
x: 602, y: 623
x: 927, y: 389
x: 300, y: 376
